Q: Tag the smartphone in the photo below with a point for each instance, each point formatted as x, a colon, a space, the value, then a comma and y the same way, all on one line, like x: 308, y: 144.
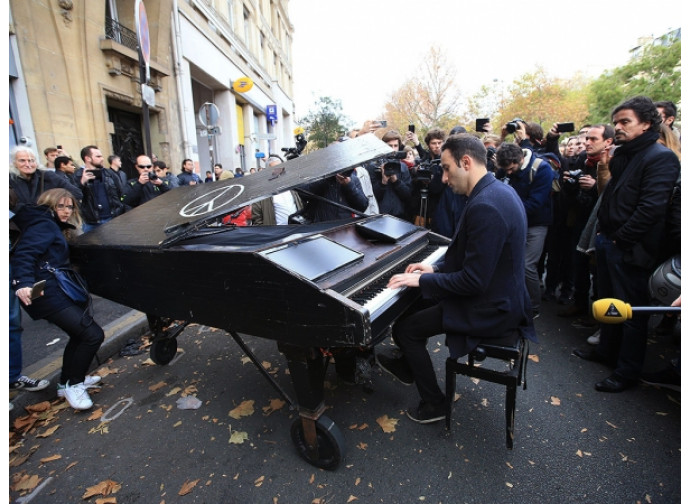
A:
x: 382, y: 123
x: 410, y: 128
x: 37, y: 289
x: 480, y: 123
x: 59, y: 147
x: 566, y: 127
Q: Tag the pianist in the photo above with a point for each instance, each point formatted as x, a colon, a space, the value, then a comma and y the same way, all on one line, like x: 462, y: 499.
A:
x: 478, y: 291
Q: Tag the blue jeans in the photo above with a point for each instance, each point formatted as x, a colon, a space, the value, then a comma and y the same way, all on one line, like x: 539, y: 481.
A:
x: 535, y: 245
x: 627, y: 342
x: 15, y: 336
x: 86, y: 227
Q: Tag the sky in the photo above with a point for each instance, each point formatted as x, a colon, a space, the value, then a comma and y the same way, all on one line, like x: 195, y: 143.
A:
x: 361, y: 51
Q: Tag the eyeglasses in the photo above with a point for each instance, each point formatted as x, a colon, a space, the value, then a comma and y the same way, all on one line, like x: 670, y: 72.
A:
x: 144, y: 166
x: 60, y: 206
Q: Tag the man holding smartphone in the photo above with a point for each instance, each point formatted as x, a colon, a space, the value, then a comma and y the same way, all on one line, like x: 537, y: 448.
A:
x: 101, y: 190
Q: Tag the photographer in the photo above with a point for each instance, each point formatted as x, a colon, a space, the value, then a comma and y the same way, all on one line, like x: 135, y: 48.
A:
x: 146, y: 187
x: 101, y: 190
x: 391, y: 180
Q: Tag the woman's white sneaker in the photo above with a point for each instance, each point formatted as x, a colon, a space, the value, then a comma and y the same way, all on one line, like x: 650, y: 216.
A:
x: 77, y: 396
x: 90, y: 381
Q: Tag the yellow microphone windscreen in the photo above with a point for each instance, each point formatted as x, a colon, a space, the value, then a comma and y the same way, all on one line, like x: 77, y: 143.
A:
x: 611, y: 311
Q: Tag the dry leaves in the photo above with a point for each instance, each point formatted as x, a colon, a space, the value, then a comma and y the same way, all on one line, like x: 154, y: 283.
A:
x: 157, y: 386
x: 274, y: 405
x: 104, y: 488
x: 23, y: 482
x: 246, y: 408
x: 187, y: 487
x: 387, y: 424
x: 555, y: 401
x: 238, y: 437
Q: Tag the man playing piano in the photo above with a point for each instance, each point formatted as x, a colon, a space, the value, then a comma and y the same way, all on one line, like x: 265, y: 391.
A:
x: 478, y: 292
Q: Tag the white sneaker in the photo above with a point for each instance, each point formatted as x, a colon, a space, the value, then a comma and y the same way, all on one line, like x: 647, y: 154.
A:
x: 594, y: 338
x: 77, y: 396
x: 90, y: 381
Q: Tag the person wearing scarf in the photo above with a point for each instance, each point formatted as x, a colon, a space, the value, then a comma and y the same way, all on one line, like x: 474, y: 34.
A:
x: 631, y: 215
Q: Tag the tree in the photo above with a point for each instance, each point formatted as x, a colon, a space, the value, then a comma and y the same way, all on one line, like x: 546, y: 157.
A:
x: 325, y: 123
x: 655, y: 73
x: 429, y: 100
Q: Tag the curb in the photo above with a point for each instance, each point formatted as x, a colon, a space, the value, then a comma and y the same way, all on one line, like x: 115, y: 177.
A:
x: 117, y: 332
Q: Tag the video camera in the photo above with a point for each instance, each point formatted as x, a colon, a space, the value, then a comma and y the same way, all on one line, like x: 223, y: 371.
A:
x: 573, y: 176
x: 425, y: 171
x: 300, y: 142
x: 391, y: 163
x: 514, y: 125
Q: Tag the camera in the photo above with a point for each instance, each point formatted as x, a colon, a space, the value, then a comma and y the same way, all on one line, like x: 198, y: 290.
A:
x: 574, y: 176
x: 153, y: 176
x: 490, y: 153
x: 425, y: 172
x: 514, y: 125
x: 392, y: 168
x: 97, y: 174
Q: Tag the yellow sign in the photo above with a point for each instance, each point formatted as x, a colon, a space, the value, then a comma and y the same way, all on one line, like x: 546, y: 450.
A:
x: 242, y: 85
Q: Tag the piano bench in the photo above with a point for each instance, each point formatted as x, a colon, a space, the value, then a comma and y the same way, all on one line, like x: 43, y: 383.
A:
x: 515, y: 375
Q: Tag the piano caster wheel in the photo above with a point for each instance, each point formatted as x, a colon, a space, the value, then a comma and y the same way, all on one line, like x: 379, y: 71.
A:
x: 163, y: 350
x: 330, y: 441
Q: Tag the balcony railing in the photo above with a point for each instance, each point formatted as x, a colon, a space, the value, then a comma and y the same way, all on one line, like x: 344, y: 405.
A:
x: 121, y: 34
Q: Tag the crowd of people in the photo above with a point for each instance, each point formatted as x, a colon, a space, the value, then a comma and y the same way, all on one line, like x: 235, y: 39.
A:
x: 584, y: 209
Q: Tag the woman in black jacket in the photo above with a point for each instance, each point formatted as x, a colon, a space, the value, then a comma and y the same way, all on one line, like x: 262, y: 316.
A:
x: 44, y: 228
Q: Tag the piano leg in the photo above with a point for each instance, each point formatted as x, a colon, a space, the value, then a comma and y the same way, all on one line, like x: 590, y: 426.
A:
x: 318, y: 440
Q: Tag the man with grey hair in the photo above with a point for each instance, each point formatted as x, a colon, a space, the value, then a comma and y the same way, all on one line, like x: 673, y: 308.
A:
x: 28, y: 181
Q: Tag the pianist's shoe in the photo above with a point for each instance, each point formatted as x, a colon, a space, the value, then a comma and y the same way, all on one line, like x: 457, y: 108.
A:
x: 427, y: 412
x: 397, y: 368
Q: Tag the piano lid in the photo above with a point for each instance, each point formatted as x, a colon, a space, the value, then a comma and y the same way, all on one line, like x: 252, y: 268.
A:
x: 174, y: 215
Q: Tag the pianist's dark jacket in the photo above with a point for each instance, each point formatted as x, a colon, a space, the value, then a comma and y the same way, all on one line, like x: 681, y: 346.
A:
x: 481, y: 282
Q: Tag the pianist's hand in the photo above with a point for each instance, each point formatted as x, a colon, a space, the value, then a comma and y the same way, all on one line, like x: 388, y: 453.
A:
x: 411, y: 276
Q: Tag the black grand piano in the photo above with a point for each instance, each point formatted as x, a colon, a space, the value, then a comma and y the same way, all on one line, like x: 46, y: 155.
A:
x: 314, y: 288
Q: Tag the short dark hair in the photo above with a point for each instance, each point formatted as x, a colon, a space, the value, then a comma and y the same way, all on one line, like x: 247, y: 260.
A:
x: 185, y: 160
x: 534, y: 131
x: 392, y: 135
x: 509, y: 153
x: 61, y: 160
x: 434, y: 134
x: 86, y: 151
x: 112, y: 158
x: 644, y: 109
x: 608, y: 132
x: 456, y: 130
x: 218, y: 165
x: 160, y: 164
x: 669, y: 107
x: 464, y: 144
x: 48, y: 150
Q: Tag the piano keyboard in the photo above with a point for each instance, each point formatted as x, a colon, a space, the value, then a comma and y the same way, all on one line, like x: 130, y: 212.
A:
x: 376, y: 297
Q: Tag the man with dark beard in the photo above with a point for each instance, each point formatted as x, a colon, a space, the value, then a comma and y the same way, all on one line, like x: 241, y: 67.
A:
x: 631, y: 214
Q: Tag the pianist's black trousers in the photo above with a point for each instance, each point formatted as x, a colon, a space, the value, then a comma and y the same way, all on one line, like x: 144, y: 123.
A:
x: 411, y: 335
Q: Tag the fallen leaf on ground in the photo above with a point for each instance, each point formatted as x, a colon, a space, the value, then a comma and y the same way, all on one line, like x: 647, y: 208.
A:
x: 555, y: 401
x: 148, y: 362
x: 274, y: 405
x: 173, y: 391
x: 48, y: 432
x: 189, y: 390
x: 259, y: 481
x: 157, y: 386
x: 362, y: 445
x: 245, y: 360
x: 187, y: 487
x: 24, y: 482
x: 238, y: 437
x: 38, y: 407
x: 266, y: 365
x: 387, y: 424
x: 51, y: 458
x: 245, y: 408
x: 351, y: 498
x: 104, y: 488
x: 96, y: 414
x: 107, y: 500
x: 533, y: 358
x: 612, y: 425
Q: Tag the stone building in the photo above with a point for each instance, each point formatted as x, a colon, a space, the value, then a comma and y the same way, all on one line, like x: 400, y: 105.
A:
x: 75, y: 78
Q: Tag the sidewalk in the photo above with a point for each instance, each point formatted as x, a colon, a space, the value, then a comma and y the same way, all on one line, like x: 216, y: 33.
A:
x: 118, y: 322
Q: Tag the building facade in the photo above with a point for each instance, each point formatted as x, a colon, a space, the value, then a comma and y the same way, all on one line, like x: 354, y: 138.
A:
x: 75, y: 79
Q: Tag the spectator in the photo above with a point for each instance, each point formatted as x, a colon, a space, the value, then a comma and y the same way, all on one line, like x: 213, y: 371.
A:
x: 669, y: 139
x: 50, y: 153
x: 580, y: 190
x: 434, y: 140
x: 668, y: 112
x: 239, y: 172
x: 209, y: 177
x: 18, y: 381
x: 534, y: 189
x: 276, y: 209
x: 478, y: 290
x: 635, y: 201
x: 188, y: 177
x: 102, y: 193
x: 344, y: 189
x: 161, y: 170
x: 144, y: 188
x: 115, y: 164
x: 28, y: 181
x: 391, y: 181
x: 221, y: 174
x: 43, y: 243
x: 64, y: 167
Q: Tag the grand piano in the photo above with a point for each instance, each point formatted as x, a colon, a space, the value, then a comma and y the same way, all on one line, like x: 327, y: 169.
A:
x: 316, y: 289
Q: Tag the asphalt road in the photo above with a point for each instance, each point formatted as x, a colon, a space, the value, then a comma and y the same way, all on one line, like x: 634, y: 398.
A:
x: 572, y: 444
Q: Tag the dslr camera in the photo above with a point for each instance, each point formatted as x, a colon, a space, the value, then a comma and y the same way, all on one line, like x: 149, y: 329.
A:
x: 574, y: 176
x: 514, y: 125
x: 153, y: 176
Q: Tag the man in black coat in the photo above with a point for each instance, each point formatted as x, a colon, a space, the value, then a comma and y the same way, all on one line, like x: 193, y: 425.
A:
x: 479, y: 290
x: 29, y: 182
x: 630, y: 219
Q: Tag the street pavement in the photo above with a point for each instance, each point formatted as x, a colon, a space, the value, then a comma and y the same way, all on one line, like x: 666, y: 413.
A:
x: 572, y: 444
